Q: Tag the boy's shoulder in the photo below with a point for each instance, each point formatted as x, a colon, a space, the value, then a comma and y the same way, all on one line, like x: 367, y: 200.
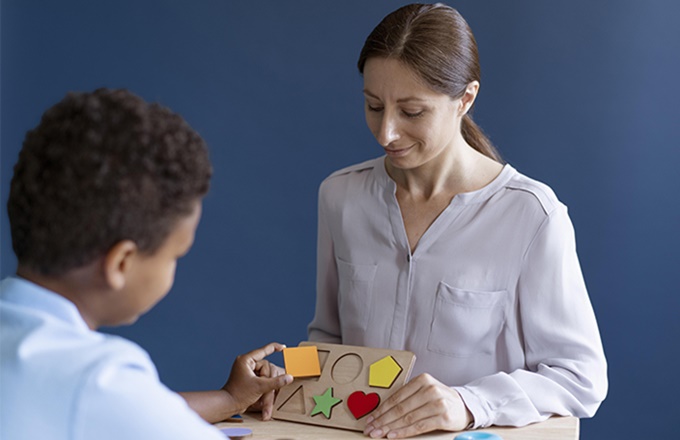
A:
x: 46, y: 325
x: 74, y: 377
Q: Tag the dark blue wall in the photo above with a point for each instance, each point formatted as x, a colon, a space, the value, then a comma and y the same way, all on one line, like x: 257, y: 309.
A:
x: 583, y: 95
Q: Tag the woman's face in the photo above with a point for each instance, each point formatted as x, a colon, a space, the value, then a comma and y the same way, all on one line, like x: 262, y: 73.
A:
x: 413, y: 123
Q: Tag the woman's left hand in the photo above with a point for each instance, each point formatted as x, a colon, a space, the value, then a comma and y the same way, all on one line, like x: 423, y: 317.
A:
x: 422, y: 405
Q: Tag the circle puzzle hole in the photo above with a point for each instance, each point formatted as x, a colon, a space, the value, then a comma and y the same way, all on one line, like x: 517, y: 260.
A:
x: 347, y: 368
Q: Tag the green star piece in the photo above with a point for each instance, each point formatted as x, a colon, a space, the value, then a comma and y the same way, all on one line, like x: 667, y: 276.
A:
x: 324, y: 403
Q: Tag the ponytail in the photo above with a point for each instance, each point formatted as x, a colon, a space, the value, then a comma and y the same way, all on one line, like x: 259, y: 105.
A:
x: 474, y: 136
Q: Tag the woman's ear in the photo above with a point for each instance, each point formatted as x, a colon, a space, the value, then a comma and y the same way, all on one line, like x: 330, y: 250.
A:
x: 118, y: 263
x: 468, y: 98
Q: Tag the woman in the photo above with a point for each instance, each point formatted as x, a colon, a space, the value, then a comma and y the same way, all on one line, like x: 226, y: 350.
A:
x: 440, y: 249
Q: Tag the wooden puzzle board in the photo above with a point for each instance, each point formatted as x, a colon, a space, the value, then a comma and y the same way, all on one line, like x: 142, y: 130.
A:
x: 346, y: 369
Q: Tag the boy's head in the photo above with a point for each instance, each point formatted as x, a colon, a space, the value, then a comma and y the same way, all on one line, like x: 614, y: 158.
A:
x: 103, y: 168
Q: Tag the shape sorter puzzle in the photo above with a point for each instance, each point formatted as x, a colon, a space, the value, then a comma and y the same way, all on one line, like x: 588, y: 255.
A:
x: 351, y: 384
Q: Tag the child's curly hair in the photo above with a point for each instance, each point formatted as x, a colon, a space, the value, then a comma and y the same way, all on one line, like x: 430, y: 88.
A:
x: 102, y: 167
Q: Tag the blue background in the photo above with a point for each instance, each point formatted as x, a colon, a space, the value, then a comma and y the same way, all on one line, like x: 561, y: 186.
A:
x: 582, y: 95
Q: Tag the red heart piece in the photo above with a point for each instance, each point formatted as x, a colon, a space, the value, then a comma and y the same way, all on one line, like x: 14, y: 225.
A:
x: 361, y: 404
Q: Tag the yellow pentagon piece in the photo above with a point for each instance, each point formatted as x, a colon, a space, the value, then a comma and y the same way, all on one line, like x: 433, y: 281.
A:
x: 384, y: 372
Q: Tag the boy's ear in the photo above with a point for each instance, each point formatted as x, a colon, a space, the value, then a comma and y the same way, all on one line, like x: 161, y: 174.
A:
x: 118, y: 263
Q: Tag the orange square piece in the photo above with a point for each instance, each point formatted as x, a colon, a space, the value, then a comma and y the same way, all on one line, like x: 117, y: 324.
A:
x: 302, y: 361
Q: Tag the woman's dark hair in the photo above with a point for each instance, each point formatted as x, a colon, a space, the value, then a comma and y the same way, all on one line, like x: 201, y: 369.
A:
x: 436, y: 42
x: 102, y: 167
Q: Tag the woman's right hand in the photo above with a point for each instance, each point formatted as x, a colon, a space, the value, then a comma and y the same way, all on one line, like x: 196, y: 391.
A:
x: 422, y: 405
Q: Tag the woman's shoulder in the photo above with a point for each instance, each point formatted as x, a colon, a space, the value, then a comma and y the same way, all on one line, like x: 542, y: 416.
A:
x: 356, y: 168
x: 353, y: 175
x: 356, y: 182
x: 532, y: 191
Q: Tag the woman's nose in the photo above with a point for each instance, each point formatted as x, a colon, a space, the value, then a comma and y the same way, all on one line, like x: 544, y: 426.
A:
x: 388, y: 131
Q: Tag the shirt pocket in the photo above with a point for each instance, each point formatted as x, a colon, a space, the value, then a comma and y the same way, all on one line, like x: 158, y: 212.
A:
x: 355, y: 293
x: 465, y: 322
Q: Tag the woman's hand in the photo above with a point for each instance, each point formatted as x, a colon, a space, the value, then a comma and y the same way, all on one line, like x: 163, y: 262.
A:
x: 253, y: 379
x: 422, y: 405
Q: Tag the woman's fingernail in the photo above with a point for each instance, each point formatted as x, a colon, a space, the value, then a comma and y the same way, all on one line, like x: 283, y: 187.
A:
x: 376, y: 433
x: 392, y: 435
x: 368, y: 429
x: 370, y: 419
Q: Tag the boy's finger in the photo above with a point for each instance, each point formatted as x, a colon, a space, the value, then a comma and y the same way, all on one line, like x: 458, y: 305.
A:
x: 263, y: 352
x: 268, y: 384
x: 268, y: 405
x: 263, y: 369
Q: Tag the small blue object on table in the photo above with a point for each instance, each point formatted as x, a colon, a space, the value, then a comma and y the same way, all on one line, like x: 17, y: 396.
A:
x: 235, y: 433
x: 477, y: 436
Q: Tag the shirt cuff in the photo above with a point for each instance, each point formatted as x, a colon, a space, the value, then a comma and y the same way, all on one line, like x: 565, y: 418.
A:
x: 476, y: 407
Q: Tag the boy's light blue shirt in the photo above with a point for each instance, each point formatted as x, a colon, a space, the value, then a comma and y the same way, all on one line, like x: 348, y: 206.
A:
x: 61, y: 380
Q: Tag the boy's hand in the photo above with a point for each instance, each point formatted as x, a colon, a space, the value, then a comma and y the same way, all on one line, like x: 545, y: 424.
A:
x: 266, y: 402
x: 252, y: 378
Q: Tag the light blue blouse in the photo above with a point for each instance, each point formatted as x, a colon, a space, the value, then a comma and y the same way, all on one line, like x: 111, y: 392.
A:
x: 492, y: 301
x: 62, y: 381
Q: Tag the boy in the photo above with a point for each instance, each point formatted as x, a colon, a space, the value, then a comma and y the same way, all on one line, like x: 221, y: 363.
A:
x: 105, y: 197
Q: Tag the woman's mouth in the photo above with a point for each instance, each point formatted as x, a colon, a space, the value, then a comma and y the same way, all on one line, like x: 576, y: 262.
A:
x: 397, y: 152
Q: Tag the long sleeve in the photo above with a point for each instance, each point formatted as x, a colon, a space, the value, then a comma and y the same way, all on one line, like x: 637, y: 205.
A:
x: 325, y: 327
x: 566, y: 371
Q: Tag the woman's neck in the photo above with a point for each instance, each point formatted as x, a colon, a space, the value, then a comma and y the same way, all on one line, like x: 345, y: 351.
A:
x: 452, y: 172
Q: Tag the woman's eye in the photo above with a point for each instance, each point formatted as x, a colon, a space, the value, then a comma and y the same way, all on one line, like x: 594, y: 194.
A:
x: 374, y: 109
x: 413, y: 114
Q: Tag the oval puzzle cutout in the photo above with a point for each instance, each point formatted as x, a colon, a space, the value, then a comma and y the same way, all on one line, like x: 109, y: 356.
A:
x: 347, y: 368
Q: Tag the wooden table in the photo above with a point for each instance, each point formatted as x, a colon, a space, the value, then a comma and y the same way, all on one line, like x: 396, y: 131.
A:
x: 556, y: 428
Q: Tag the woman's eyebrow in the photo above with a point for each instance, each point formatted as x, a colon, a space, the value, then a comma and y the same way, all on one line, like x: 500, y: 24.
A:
x: 401, y: 100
